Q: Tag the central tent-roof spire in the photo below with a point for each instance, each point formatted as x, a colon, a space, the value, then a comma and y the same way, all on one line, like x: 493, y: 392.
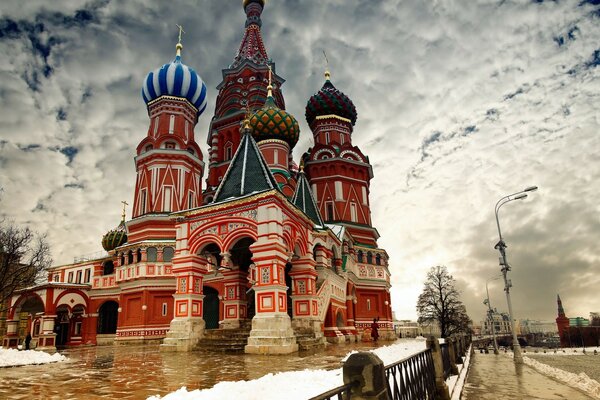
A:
x: 252, y: 47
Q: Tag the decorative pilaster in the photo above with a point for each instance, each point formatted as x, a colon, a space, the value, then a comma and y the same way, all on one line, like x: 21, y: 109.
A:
x: 271, y: 326
x: 187, y: 326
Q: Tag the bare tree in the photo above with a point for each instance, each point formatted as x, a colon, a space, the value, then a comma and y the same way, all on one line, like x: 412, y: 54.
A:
x: 440, y: 303
x: 24, y: 256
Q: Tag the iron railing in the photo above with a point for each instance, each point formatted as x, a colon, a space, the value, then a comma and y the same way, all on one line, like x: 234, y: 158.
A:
x: 446, y: 360
x: 412, y: 377
x: 339, y: 393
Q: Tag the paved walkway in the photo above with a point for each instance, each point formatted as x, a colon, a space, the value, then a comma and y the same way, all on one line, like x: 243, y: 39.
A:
x: 497, y: 377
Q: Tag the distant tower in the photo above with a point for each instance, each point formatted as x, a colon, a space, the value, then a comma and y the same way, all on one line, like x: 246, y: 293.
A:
x: 338, y: 171
x: 244, y: 87
x: 169, y: 161
x: 562, y: 322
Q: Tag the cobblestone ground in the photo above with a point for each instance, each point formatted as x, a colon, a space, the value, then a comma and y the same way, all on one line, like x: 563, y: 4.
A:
x: 497, y: 377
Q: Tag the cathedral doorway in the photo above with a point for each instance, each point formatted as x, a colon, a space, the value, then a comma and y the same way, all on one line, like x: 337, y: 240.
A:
x: 288, y: 283
x: 241, y: 256
x: 210, y: 312
x: 61, y: 326
x: 108, y: 316
x: 28, y: 310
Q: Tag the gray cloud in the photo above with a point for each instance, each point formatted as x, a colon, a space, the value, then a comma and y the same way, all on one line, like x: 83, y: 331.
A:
x: 467, y: 101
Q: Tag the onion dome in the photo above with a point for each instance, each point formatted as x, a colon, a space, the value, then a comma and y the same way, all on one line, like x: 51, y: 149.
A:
x: 271, y: 122
x: 178, y: 80
x: 246, y: 2
x: 115, y: 238
x: 330, y: 101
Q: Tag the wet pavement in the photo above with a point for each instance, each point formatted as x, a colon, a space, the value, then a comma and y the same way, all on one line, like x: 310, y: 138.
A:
x: 497, y: 377
x: 136, y: 372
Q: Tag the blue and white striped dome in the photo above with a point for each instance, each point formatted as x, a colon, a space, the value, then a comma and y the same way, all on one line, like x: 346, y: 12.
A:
x: 178, y: 80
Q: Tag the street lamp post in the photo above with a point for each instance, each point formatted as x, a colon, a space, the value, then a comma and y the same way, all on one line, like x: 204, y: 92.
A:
x: 491, y: 312
x: 505, y: 267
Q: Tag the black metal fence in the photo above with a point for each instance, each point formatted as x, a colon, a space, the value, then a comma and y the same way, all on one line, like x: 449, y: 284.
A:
x: 412, y: 378
x: 339, y: 393
x: 418, y: 377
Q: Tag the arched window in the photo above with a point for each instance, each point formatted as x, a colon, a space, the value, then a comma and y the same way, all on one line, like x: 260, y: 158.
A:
x: 122, y: 259
x: 139, y: 255
x: 359, y: 255
x: 228, y: 151
x: 168, y: 253
x: 369, y: 258
x: 378, y: 259
x: 130, y: 257
x: 151, y: 253
x: 149, y: 147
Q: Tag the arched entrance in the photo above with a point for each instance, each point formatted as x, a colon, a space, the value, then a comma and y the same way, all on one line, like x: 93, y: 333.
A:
x: 210, y: 312
x: 61, y: 325
x: 339, y: 320
x: 241, y: 256
x: 32, y: 306
x: 108, y: 316
x: 288, y: 283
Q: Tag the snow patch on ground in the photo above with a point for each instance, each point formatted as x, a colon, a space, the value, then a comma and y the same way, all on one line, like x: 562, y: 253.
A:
x: 579, y: 381
x: 15, y: 358
x: 298, y: 384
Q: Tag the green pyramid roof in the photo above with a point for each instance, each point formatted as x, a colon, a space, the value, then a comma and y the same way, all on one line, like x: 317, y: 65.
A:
x: 248, y: 172
x: 304, y: 200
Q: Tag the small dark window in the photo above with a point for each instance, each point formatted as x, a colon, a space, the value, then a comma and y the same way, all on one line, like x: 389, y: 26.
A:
x: 108, y: 268
x: 130, y: 257
x: 330, y: 211
x: 168, y: 253
x: 149, y: 147
x: 369, y: 258
x: 169, y: 145
x: 151, y: 254
x: 378, y: 259
x: 360, y: 256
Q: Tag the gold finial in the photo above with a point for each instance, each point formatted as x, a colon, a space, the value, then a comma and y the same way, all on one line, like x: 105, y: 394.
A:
x: 179, y: 46
x: 123, y: 214
x: 270, y: 87
x: 246, y: 122
x: 302, y: 165
x: 327, y: 74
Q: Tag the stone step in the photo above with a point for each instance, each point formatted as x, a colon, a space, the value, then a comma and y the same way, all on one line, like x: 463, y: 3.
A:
x: 225, y: 340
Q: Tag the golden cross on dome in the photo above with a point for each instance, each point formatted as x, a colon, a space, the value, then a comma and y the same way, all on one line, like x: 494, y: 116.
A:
x: 180, y: 31
x: 123, y: 214
x: 179, y: 45
x: 327, y: 74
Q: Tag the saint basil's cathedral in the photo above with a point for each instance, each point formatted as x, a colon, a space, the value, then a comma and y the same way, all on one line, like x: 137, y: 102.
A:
x: 281, y: 254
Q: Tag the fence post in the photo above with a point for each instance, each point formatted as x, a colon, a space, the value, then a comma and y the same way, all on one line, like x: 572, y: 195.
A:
x: 440, y: 385
x: 452, y: 352
x: 368, y: 371
x: 460, y: 352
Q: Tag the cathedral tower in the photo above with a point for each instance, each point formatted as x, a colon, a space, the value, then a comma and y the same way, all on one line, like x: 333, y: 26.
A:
x: 338, y: 171
x: 244, y: 87
x: 169, y: 162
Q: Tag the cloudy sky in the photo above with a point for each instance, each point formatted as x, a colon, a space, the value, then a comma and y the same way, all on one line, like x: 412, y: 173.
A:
x: 459, y: 103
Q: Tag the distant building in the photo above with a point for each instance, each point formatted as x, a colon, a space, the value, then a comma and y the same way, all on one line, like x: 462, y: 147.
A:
x: 576, y: 332
x: 407, y: 329
x: 529, y: 326
x: 500, y: 322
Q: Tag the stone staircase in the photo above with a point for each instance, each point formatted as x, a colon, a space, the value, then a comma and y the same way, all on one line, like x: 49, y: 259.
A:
x: 307, y: 339
x: 225, y: 340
